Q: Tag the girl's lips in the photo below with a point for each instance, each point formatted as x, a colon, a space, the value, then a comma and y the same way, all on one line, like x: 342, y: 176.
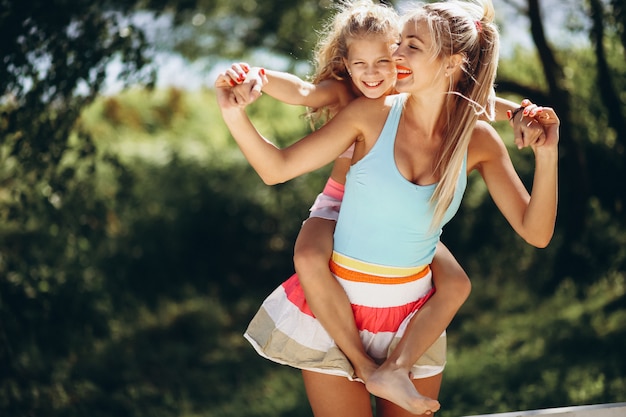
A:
x: 403, y: 72
x: 374, y: 84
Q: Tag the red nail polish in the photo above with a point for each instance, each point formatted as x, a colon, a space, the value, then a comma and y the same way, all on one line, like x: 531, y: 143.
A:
x: 262, y: 71
x: 509, y: 114
x: 231, y: 82
x: 246, y: 68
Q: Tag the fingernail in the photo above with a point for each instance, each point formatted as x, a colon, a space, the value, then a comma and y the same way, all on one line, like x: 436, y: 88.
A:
x: 246, y: 68
x: 262, y: 71
x: 509, y: 114
x: 231, y: 82
x: 525, y: 112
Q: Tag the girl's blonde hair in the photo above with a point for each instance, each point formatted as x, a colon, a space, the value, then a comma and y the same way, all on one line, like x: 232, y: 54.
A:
x: 468, y: 29
x: 355, y: 19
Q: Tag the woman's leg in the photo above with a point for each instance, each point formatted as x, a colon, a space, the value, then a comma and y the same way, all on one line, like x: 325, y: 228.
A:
x: 428, y: 386
x: 392, y: 379
x: 335, y: 396
x: 325, y: 296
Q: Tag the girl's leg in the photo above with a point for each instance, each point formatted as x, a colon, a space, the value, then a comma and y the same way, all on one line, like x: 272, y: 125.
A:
x: 325, y: 296
x: 392, y: 380
x: 429, y: 386
x: 332, y: 396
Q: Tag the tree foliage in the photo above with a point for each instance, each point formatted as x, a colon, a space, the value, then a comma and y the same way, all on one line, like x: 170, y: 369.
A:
x: 135, y: 243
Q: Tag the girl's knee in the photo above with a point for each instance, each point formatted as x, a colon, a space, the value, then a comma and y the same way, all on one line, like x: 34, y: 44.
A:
x: 310, y: 256
x: 455, y: 286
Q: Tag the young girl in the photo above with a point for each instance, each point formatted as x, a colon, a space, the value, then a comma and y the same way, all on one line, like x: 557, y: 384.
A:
x: 369, y: 68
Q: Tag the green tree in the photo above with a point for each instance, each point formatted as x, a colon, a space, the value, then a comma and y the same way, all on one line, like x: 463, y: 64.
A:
x: 125, y: 284
x: 54, y: 61
x: 584, y: 103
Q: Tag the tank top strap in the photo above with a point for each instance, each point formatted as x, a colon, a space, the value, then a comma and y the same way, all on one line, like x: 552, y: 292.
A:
x: 388, y: 135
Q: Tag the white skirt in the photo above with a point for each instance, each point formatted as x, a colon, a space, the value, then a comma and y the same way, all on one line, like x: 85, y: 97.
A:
x: 384, y: 299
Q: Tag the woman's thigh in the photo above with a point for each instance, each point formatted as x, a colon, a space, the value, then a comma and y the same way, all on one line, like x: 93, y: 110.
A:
x: 425, y: 386
x: 334, y: 396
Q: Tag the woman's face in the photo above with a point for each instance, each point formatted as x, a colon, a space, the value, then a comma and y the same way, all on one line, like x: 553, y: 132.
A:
x: 418, y: 68
x: 370, y: 65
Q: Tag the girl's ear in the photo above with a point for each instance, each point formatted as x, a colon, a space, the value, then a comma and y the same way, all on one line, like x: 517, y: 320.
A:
x: 345, y: 63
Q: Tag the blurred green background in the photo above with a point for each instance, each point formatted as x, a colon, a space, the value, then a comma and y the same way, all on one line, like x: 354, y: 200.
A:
x: 136, y: 243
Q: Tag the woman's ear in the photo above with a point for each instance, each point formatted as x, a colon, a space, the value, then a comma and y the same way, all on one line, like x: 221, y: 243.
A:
x: 454, y: 61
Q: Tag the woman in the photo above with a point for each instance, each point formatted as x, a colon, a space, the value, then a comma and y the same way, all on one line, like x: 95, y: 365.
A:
x: 413, y: 152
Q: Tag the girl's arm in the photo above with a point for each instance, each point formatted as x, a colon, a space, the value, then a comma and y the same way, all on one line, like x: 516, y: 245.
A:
x: 276, y: 165
x: 292, y: 90
x: 532, y: 216
x: 288, y: 88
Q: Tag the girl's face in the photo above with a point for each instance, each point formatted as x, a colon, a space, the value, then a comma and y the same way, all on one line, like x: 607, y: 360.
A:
x: 371, y: 66
x: 413, y: 56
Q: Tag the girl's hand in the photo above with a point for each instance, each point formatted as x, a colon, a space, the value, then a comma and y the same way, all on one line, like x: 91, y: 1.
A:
x: 246, y: 82
x: 250, y: 88
x: 549, y: 121
x: 525, y: 130
x: 530, y: 124
x: 236, y: 74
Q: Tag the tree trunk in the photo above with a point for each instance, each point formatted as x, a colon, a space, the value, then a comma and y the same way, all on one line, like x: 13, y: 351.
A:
x: 574, y: 188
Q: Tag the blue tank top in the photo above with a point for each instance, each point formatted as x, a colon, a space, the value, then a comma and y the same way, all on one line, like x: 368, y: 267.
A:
x: 384, y: 218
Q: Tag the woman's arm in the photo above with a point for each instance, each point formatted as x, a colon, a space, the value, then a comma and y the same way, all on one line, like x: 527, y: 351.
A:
x: 532, y: 216
x: 276, y: 165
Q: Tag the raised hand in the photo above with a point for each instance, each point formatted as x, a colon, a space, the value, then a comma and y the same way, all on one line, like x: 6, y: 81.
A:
x: 532, y: 124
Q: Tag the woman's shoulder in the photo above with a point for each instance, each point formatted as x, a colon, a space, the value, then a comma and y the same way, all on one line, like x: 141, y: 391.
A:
x: 485, y: 144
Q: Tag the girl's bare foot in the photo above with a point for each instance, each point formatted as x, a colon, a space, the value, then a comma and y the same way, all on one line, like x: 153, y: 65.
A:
x: 366, y: 370
x: 394, y: 384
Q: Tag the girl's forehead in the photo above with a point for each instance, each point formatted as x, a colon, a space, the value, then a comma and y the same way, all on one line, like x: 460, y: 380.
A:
x: 373, y: 40
x: 370, y: 45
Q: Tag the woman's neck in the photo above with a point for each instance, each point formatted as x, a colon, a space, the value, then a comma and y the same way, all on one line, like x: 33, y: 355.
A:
x: 425, y: 114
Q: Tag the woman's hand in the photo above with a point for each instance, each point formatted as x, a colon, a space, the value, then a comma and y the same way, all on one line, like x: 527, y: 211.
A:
x: 535, y: 126
x: 246, y: 82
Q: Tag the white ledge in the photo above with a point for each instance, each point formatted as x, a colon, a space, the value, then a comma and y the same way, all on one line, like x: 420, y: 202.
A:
x: 599, y: 410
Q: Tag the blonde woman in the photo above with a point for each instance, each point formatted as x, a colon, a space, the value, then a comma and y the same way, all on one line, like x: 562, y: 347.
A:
x: 413, y: 152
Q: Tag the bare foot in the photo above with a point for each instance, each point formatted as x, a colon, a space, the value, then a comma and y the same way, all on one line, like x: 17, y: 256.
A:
x: 366, y: 370
x: 394, y: 384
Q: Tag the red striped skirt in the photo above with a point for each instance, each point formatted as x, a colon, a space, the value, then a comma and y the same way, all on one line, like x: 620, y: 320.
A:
x: 383, y: 300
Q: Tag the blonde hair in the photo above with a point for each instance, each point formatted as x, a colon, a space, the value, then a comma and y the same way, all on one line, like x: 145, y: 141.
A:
x: 355, y: 19
x: 468, y: 29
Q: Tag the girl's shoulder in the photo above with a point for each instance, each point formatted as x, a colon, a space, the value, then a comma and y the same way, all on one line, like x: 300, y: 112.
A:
x: 369, y: 109
x: 339, y: 89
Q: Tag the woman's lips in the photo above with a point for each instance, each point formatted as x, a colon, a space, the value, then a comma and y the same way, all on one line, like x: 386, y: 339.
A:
x: 403, y: 72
